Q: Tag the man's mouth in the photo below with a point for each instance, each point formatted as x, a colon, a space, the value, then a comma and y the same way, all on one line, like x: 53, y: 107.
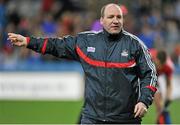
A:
x: 114, y: 27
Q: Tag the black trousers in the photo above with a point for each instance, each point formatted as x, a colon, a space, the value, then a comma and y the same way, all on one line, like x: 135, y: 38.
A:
x: 85, y: 120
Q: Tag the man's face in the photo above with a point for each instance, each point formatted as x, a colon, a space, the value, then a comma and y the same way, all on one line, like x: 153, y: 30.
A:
x: 112, y: 21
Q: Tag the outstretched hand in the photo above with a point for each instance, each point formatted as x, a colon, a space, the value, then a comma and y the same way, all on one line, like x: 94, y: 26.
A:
x: 17, y: 39
x: 140, y: 110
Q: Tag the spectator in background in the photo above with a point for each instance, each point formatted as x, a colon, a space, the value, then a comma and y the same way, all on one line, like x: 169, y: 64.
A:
x: 165, y: 66
x: 3, y: 19
x: 147, y: 36
x: 48, y: 25
x: 114, y: 61
x: 3, y: 22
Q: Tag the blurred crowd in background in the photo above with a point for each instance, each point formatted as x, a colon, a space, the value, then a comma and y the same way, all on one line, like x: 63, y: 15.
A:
x: 155, y: 22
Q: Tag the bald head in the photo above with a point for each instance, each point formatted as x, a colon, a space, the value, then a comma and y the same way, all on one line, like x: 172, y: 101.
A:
x: 112, y: 18
x: 105, y: 8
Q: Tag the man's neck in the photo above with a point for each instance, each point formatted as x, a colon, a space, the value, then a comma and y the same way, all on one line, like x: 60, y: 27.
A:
x: 112, y: 37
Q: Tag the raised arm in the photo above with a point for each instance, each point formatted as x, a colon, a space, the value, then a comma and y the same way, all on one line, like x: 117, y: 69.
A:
x: 59, y: 47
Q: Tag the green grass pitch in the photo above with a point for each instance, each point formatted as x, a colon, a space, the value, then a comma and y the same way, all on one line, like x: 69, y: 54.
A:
x: 64, y: 112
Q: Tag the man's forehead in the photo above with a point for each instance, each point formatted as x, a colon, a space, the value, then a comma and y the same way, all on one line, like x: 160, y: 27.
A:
x: 113, y: 6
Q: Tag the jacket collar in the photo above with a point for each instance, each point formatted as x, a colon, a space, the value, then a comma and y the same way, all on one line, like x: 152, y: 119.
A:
x: 112, y: 37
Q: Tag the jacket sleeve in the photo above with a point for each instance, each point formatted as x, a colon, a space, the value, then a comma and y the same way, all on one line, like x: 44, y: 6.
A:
x: 147, y: 74
x: 59, y: 47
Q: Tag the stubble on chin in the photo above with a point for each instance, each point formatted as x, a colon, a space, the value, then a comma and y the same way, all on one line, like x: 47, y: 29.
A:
x: 115, y: 33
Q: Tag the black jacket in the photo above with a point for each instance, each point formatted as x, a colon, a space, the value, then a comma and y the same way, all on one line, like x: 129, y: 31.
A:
x: 114, y: 65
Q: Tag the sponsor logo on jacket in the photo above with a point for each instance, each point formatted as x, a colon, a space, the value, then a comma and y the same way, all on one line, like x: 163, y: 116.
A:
x: 124, y: 53
x: 91, y: 49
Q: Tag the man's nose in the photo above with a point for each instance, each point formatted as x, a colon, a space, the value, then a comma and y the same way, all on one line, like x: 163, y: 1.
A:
x: 115, y: 20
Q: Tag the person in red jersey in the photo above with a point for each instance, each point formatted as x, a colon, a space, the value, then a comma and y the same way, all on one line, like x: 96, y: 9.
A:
x: 164, y: 66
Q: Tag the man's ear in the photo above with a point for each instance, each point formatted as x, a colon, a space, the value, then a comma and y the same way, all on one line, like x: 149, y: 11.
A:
x: 101, y: 20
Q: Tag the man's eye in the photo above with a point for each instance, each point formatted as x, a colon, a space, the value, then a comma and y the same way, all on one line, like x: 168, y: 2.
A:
x: 119, y: 17
x: 110, y: 17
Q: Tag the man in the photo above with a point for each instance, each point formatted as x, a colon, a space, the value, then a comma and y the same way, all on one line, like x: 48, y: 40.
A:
x: 165, y: 67
x: 114, y: 61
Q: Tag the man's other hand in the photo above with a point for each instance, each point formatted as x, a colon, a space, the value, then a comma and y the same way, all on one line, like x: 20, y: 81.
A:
x: 140, y: 110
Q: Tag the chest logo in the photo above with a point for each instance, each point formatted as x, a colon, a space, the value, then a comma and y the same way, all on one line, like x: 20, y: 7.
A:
x: 91, y: 49
x: 124, y: 53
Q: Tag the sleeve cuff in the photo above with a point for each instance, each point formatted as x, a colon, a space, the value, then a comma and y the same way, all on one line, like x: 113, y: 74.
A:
x: 147, y: 105
x: 28, y: 40
x: 152, y: 88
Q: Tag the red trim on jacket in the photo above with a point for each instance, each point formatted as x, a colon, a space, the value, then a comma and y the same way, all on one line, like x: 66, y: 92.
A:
x: 43, y: 50
x: 27, y: 40
x: 121, y: 65
x: 154, y: 89
x: 102, y: 63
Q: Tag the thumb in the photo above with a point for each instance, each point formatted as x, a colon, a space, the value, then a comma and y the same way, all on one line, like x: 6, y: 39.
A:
x: 20, y: 38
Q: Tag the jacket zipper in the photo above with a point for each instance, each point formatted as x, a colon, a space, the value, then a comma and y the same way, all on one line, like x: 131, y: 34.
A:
x: 105, y: 81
